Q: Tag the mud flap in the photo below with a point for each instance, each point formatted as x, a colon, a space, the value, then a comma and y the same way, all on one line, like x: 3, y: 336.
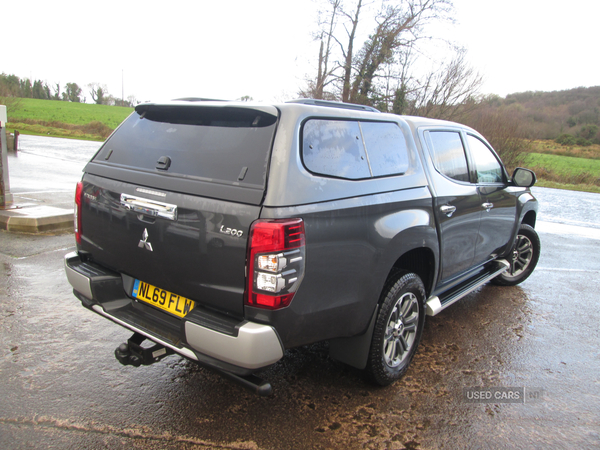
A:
x: 354, y: 351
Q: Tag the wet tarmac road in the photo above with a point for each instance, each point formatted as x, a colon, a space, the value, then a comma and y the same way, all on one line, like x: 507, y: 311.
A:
x: 61, y: 387
x: 61, y: 162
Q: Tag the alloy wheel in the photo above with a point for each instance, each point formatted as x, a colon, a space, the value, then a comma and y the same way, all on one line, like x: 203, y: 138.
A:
x: 401, y: 330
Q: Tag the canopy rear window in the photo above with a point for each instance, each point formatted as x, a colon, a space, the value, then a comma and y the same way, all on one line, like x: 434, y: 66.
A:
x: 227, y: 145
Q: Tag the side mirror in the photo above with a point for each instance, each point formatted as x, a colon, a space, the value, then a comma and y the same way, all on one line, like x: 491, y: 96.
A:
x: 523, y: 177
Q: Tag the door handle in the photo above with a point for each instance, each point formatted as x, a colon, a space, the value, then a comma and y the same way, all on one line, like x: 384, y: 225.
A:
x: 448, y: 210
x: 487, y: 206
x: 149, y: 207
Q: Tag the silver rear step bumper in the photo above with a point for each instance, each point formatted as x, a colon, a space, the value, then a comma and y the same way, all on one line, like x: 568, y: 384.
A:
x: 252, y: 346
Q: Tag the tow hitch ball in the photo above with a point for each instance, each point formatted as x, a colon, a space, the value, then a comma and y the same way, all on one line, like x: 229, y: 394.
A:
x: 132, y: 353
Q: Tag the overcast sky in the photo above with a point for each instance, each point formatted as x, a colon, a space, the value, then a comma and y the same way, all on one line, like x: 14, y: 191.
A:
x: 263, y: 48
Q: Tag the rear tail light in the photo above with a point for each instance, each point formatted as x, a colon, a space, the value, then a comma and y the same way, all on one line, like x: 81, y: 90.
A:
x: 77, y: 212
x: 275, y: 262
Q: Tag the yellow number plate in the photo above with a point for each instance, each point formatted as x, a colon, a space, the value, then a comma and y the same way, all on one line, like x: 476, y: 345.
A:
x: 165, y: 300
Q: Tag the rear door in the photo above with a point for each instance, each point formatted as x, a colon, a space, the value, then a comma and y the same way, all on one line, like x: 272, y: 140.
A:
x: 169, y: 198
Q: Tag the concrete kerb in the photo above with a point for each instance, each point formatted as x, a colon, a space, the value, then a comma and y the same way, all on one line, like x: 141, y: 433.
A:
x: 36, y: 219
x: 43, y: 176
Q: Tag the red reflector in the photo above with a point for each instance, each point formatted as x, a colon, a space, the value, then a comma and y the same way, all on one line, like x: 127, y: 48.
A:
x: 77, y: 212
x: 271, y: 302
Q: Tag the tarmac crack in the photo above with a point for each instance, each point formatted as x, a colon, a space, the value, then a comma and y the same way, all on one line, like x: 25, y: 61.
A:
x: 129, y: 433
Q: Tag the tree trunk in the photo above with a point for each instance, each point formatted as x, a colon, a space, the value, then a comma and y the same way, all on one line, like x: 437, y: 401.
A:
x: 349, y: 55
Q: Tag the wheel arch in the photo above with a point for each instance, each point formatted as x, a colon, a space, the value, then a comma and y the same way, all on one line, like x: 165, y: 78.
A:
x: 527, y: 207
x: 420, y: 261
x: 529, y: 218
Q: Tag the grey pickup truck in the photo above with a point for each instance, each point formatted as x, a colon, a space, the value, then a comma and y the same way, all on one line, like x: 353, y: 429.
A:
x: 228, y: 232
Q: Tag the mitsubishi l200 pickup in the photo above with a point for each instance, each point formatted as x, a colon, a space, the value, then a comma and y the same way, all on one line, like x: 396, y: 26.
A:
x: 228, y: 232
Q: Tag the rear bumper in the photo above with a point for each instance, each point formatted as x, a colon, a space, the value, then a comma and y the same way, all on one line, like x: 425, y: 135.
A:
x: 205, y: 336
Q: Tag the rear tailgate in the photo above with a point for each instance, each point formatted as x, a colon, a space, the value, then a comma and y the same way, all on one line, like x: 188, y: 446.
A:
x: 170, y: 197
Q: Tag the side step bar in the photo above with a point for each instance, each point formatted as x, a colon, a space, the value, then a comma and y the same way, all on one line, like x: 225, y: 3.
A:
x: 434, y: 305
x: 251, y: 382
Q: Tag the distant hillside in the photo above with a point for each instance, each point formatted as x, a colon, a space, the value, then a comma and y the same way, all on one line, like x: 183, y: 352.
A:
x: 547, y: 115
x: 540, y: 115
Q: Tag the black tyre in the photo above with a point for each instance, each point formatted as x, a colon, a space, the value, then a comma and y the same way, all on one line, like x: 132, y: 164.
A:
x: 398, y: 329
x: 523, y: 258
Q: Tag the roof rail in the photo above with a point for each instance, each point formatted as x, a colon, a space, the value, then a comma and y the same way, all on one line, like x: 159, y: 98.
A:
x: 198, y: 99
x: 330, y: 104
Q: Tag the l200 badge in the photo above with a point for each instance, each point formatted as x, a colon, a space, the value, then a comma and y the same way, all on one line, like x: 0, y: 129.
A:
x: 231, y: 231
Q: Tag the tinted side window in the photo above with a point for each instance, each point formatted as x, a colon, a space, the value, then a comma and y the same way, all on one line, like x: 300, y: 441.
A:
x: 354, y: 150
x: 335, y: 147
x: 448, y: 155
x: 487, y: 166
x: 386, y: 147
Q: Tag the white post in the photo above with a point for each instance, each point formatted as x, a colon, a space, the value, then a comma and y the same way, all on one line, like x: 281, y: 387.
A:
x: 6, y: 197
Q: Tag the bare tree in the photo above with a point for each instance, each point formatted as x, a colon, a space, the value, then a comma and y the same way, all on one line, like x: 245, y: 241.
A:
x: 132, y: 100
x: 348, y: 51
x: 324, y: 72
x: 316, y: 87
x: 354, y: 74
x: 98, y: 92
x: 398, y: 29
x: 341, y: 70
x: 448, y: 92
x: 504, y: 130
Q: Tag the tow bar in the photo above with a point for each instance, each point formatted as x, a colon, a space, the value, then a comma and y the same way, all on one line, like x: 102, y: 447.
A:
x: 132, y: 353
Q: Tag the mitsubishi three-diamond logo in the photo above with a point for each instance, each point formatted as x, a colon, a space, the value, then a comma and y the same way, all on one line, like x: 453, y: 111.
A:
x: 144, y: 241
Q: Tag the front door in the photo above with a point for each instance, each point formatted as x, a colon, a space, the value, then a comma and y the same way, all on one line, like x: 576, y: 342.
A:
x: 498, y: 202
x: 457, y: 204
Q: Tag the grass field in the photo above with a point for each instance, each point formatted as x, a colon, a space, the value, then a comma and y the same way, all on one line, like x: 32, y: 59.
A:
x: 65, y: 119
x: 549, y: 147
x: 556, y: 166
x: 567, y: 165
